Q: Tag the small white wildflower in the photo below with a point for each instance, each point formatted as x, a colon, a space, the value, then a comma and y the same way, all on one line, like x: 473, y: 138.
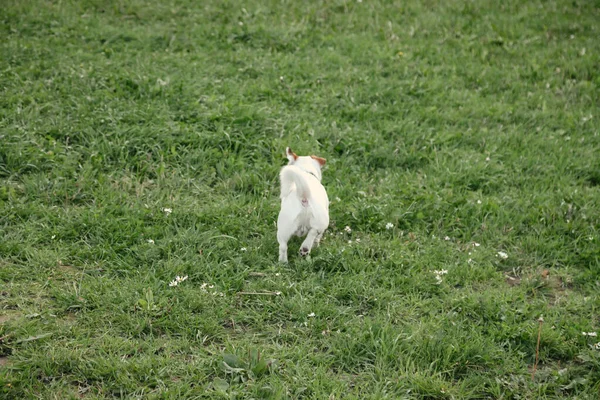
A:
x: 167, y: 211
x: 173, y: 283
x: 597, y: 346
x: 312, y: 314
x: 348, y: 229
x: 476, y: 244
x: 502, y: 255
x: 277, y: 293
x: 357, y: 240
x: 180, y: 279
x: 349, y: 241
x: 150, y: 241
x: 337, y: 199
x: 277, y: 274
x: 592, y: 334
x: 438, y: 280
x: 389, y: 226
x: 478, y: 201
x: 243, y: 249
x: 447, y: 238
x: 441, y: 272
x: 487, y: 159
x: 53, y: 237
x: 203, y: 286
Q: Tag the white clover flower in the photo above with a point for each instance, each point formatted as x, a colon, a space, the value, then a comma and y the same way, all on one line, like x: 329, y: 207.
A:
x: 348, y: 229
x: 502, y: 255
x: 150, y: 241
x: 478, y: 201
x: 389, y: 226
x: 167, y: 211
x: 476, y: 244
x: 438, y: 275
x: 447, y: 238
x: 349, y: 241
x: 243, y: 249
x: 277, y: 274
x: 312, y: 314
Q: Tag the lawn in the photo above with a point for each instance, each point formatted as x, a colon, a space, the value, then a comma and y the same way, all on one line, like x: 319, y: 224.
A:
x: 142, y: 140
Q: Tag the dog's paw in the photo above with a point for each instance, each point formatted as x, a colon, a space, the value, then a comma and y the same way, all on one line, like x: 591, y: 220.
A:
x: 304, y: 251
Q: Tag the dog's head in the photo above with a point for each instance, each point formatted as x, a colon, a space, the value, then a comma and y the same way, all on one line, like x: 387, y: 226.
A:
x: 311, y: 164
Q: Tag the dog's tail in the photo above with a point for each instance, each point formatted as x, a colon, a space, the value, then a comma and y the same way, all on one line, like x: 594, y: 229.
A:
x: 291, y: 175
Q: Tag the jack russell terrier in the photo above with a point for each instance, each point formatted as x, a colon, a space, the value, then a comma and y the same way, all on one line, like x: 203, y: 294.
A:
x: 304, y: 203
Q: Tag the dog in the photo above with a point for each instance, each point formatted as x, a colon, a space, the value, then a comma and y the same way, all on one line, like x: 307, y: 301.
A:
x: 304, y: 203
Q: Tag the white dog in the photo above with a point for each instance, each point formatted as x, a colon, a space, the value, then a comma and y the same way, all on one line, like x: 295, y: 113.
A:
x: 304, y: 203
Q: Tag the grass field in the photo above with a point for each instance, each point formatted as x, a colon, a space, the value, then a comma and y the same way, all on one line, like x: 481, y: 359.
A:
x: 141, y: 140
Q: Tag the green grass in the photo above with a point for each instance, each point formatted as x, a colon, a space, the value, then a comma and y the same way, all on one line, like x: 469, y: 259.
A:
x: 471, y: 126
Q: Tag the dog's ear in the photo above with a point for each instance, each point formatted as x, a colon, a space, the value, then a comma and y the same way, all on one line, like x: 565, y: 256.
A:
x: 320, y: 160
x: 290, y: 155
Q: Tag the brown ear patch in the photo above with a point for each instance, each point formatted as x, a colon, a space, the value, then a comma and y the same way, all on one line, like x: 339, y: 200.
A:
x: 290, y: 154
x: 320, y: 160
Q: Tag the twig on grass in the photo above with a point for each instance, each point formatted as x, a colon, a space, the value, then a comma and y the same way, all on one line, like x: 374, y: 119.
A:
x: 537, y: 348
x: 258, y: 274
x: 260, y: 293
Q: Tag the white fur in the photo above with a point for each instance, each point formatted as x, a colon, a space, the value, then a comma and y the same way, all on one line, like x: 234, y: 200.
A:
x: 304, y: 204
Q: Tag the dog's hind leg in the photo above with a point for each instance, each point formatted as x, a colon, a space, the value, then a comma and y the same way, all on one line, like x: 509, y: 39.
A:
x: 284, y: 233
x: 309, y: 241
